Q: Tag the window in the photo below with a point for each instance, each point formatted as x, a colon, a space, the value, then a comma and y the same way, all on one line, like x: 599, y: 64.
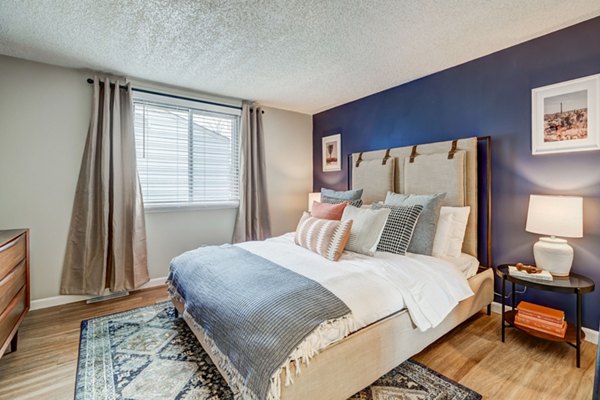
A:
x: 187, y: 152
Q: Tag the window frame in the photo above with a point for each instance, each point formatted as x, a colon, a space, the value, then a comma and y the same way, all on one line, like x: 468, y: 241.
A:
x: 167, y: 100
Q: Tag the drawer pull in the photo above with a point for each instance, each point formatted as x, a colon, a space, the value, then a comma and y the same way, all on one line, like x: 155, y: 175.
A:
x: 8, y: 245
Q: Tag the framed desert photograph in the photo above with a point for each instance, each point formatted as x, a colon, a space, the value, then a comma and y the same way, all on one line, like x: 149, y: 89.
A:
x: 565, y: 116
x: 332, y: 153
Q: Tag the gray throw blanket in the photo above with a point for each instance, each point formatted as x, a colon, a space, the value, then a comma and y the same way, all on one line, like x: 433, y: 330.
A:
x: 254, y: 310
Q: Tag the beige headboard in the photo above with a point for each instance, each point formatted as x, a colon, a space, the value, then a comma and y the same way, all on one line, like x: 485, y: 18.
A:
x: 466, y: 148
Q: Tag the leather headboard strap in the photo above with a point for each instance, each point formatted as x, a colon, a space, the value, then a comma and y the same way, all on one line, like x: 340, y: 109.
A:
x: 452, y: 150
x: 413, y: 154
x: 385, y: 158
x: 359, y: 160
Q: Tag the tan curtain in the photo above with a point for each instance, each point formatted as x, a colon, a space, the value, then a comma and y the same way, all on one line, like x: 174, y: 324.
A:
x: 253, y: 216
x: 106, y: 246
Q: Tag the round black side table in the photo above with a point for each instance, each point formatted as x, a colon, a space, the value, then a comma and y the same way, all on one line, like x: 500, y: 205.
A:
x: 573, y: 284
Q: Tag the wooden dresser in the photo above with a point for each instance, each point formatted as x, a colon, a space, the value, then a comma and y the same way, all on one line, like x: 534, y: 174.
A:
x: 14, y: 285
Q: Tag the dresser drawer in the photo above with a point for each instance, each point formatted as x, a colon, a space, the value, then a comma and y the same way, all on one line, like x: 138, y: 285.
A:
x: 10, y: 316
x: 11, y: 254
x: 11, y: 284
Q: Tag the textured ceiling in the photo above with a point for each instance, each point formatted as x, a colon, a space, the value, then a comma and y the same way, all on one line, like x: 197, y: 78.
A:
x: 303, y: 55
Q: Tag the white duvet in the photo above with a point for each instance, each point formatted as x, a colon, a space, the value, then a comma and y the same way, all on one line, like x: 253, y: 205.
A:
x: 372, y: 287
x: 375, y: 287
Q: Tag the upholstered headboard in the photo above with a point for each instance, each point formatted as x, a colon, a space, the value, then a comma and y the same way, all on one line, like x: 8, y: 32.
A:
x: 449, y: 167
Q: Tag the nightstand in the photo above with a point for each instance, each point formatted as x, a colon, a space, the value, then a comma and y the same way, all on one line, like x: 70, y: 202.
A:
x: 573, y: 284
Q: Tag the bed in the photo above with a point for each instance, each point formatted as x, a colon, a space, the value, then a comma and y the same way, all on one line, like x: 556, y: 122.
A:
x: 389, y: 330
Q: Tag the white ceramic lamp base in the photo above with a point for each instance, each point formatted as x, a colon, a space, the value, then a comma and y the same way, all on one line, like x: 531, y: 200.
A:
x: 553, y: 255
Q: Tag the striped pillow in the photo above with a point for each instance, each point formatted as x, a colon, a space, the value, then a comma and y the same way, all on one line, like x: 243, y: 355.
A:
x: 399, y: 228
x: 322, y: 236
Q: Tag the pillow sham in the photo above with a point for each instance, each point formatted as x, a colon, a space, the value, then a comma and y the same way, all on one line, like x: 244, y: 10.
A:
x: 424, y: 233
x: 354, y: 194
x: 399, y: 228
x: 367, y: 227
x: 323, y: 236
x: 331, y: 200
x: 450, y: 233
x: 442, y: 235
x: 328, y: 210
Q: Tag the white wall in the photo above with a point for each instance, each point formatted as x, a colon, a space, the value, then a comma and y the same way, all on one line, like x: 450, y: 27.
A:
x: 44, y: 115
x: 289, y: 166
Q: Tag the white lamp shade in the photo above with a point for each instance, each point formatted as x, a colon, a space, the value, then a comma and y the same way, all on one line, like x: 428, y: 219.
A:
x: 313, y: 197
x: 555, y: 215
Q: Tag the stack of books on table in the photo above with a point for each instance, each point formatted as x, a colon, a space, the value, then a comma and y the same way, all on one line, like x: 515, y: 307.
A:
x: 542, y: 319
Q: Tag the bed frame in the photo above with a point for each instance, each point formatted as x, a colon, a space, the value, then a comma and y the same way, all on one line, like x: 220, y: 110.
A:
x: 350, y: 365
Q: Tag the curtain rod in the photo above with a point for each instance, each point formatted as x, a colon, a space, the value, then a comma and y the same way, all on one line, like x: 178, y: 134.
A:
x: 90, y: 81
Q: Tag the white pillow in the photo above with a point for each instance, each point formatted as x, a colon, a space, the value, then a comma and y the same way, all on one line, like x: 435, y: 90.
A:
x: 367, y: 227
x: 442, y: 235
x: 450, y: 232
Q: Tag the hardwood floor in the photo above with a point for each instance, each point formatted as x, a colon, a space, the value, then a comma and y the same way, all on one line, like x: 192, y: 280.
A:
x: 44, y: 366
x: 522, y: 368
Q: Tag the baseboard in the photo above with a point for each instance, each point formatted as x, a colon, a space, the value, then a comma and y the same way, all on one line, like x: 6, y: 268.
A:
x: 60, y: 300
x: 497, y: 307
x: 590, y: 334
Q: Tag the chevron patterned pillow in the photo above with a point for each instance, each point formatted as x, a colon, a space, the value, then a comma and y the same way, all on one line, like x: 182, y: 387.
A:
x: 323, y: 236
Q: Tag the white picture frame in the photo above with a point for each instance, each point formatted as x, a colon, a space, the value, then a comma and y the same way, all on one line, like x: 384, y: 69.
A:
x: 565, y: 116
x: 332, y: 153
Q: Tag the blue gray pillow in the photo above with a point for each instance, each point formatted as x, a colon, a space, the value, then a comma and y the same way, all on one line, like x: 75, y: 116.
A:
x: 424, y: 233
x: 347, y: 195
x: 331, y: 200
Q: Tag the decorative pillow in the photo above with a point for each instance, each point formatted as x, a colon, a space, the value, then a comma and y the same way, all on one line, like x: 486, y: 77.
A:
x: 398, y: 229
x: 450, y: 233
x: 367, y: 227
x: 424, y: 233
x: 328, y: 210
x: 323, y: 236
x: 355, y: 194
x: 332, y: 200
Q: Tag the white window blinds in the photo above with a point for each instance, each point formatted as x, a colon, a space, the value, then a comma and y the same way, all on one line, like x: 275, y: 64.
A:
x: 187, y: 153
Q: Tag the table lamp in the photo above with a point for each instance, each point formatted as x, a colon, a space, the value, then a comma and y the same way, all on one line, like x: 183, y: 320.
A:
x: 555, y: 216
x: 313, y: 197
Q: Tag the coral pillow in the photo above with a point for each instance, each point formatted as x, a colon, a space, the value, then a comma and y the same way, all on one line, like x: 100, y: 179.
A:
x: 322, y: 236
x: 328, y: 211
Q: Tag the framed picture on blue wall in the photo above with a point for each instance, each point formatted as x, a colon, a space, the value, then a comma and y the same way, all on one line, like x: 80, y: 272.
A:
x: 332, y: 153
x: 565, y: 116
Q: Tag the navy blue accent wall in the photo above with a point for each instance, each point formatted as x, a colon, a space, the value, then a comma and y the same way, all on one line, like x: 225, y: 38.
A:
x: 491, y: 96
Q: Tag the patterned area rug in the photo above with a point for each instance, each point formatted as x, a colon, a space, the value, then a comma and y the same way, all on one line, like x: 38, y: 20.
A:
x: 148, y: 353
